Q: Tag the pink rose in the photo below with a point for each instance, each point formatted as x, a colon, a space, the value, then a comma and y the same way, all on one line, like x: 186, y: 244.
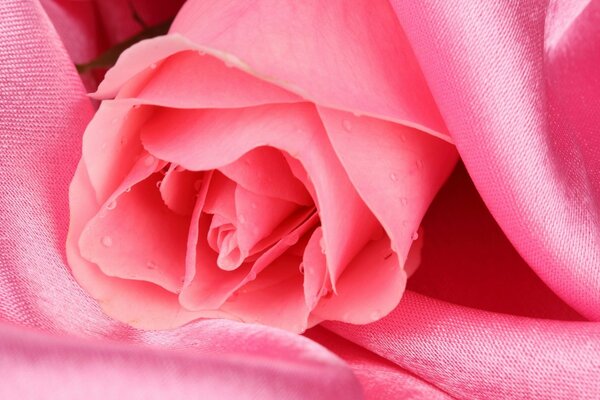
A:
x: 267, y: 162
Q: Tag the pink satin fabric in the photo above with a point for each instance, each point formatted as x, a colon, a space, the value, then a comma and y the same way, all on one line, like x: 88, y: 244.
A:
x: 517, y: 84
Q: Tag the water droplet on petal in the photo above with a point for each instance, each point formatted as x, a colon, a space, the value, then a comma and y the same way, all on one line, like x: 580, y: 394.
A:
x: 158, y: 184
x: 415, y: 236
x: 151, y: 265
x: 347, y: 125
x: 111, y: 205
x: 301, y: 268
x: 393, y: 177
x: 403, y: 201
x: 106, y: 241
x: 127, y: 190
x: 136, y: 106
x: 149, y: 160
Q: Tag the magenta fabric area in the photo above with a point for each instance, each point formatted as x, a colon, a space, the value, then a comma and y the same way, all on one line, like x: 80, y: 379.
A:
x: 505, y: 302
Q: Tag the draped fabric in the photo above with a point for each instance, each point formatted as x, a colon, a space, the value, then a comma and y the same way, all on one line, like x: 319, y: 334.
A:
x: 503, y: 306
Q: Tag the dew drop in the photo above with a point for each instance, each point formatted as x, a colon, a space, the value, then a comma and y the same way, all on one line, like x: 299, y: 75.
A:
x: 158, y: 184
x: 128, y: 190
x: 415, y: 236
x: 347, y: 125
x: 301, y: 268
x: 403, y: 201
x: 153, y: 66
x: 106, y: 241
x: 151, y: 265
x: 136, y: 106
x: 393, y: 177
x: 111, y: 205
x: 149, y: 160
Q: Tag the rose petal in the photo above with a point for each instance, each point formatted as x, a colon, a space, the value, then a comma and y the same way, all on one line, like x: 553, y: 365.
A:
x: 138, y: 238
x: 275, y: 298
x: 210, y: 286
x: 111, y: 145
x: 178, y: 189
x: 208, y: 139
x: 258, y: 217
x: 369, y: 288
x: 172, y: 71
x: 315, y: 270
x: 141, y: 304
x: 396, y: 170
x: 191, y: 80
x: 265, y: 171
x: 316, y: 48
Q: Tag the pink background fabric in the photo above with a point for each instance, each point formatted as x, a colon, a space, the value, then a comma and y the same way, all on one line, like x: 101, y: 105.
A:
x: 517, y: 85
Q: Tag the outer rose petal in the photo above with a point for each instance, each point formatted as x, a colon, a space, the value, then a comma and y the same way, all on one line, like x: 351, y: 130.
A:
x: 315, y: 48
x: 396, y: 170
x: 138, y: 238
x: 370, y: 287
x: 140, y: 304
x: 111, y: 145
x: 202, y: 140
x: 173, y: 71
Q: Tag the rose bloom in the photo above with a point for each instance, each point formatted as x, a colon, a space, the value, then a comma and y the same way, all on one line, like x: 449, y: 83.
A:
x: 267, y: 162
